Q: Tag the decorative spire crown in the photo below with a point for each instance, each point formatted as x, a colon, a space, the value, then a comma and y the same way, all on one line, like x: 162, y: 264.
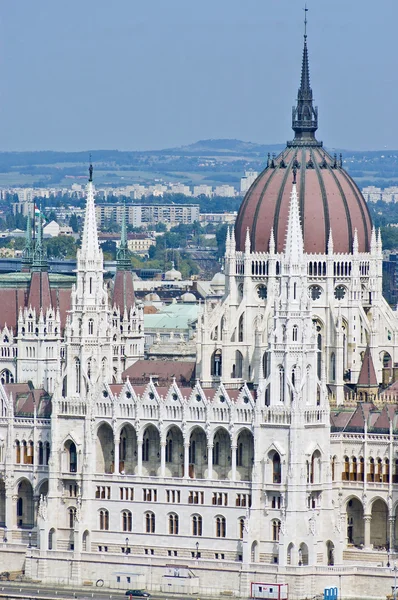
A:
x: 304, y: 114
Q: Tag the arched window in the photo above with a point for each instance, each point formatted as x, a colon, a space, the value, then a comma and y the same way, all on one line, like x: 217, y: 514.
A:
x: 241, y: 527
x: 6, y: 377
x: 333, y: 465
x: 295, y: 333
x: 91, y: 327
x: 361, y: 469
x: 145, y: 449
x: 216, y: 453
x: 216, y: 363
x: 72, y: 517
x: 150, y: 522
x: 333, y: 367
x: 173, y: 524
x: 169, y: 448
x: 354, y: 474
x: 371, y: 474
x: 265, y: 365
x: 276, y: 468
x: 346, y: 472
x: 240, y: 329
x: 196, y: 525
x: 51, y: 536
x: 386, y: 475
x: 276, y: 528
x: 127, y: 521
x: 239, y: 454
x: 319, y: 356
x: 281, y: 383
x: 77, y: 375
x: 221, y: 527
x: 104, y: 520
x: 47, y: 452
x: 17, y: 452
x: 72, y: 458
x: 192, y: 452
x: 41, y: 453
x: 238, y: 366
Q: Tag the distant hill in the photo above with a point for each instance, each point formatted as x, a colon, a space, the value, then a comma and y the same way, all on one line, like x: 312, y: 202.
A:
x: 213, y: 161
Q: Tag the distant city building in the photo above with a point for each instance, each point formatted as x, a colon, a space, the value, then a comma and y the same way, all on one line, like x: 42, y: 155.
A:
x: 246, y: 181
x: 226, y: 191
x: 202, y: 190
x: 179, y: 188
x: 375, y: 194
x: 225, y: 217
x: 139, y: 215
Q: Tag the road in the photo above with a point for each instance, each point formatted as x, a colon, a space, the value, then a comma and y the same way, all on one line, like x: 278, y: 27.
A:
x: 17, y: 590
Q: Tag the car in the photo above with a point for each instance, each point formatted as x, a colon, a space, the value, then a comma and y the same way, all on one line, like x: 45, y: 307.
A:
x: 138, y: 593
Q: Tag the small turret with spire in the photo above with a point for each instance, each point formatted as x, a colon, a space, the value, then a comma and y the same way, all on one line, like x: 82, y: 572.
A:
x: 122, y: 254
x: 39, y: 262
x: 304, y: 114
x: 27, y: 254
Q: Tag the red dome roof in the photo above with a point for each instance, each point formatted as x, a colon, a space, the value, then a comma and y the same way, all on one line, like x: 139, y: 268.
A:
x: 329, y: 198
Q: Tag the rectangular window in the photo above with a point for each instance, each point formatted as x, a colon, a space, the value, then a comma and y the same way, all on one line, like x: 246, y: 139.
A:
x: 149, y: 495
x: 196, y: 497
x: 173, y: 496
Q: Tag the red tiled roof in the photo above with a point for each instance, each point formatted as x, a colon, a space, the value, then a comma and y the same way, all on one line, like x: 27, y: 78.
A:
x: 123, y: 291
x: 161, y: 371
x: 367, y: 376
x: 25, y: 398
x: 39, y: 291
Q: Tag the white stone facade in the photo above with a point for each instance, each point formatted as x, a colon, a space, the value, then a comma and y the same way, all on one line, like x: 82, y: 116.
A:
x: 240, y: 474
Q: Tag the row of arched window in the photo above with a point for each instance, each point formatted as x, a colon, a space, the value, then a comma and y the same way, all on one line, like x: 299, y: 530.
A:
x: 220, y: 524
x: 377, y: 469
x: 25, y: 452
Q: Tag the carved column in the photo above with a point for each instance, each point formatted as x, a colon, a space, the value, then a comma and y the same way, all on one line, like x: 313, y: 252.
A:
x: 233, y: 462
x: 367, y: 519
x: 163, y: 458
x: 186, y: 460
x: 116, y: 468
x: 139, y: 457
x: 209, y: 461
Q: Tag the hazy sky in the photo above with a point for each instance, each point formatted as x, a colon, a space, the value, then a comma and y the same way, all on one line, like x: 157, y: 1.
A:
x: 146, y: 74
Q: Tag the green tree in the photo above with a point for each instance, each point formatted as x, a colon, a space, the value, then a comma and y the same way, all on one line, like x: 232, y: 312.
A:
x: 74, y: 223
x: 63, y: 246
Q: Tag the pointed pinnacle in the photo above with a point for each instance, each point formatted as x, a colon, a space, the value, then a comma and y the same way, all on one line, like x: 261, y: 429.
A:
x: 247, y: 242
x: 272, y: 242
x: 373, y: 241
x: 355, y: 244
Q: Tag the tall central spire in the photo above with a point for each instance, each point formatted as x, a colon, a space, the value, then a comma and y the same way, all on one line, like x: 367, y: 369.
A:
x: 90, y: 250
x: 304, y: 114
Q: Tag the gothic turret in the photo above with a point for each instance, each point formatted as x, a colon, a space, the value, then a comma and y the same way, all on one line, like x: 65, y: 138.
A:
x: 39, y: 289
x: 123, y: 291
x: 27, y: 254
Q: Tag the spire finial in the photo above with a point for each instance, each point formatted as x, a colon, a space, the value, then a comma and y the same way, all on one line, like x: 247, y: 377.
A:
x: 305, y: 22
x: 90, y: 170
x: 305, y: 115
